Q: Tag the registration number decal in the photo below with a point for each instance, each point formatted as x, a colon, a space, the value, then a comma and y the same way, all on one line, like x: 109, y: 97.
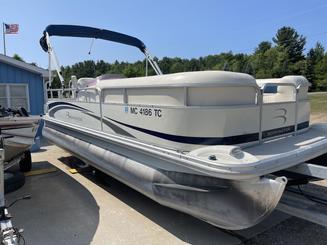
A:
x: 144, y: 111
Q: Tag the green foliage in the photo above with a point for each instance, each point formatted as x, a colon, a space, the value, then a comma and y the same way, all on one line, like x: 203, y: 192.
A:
x: 17, y: 57
x: 290, y: 42
x: 284, y: 57
x: 315, y: 66
x: 263, y: 47
x: 321, y: 74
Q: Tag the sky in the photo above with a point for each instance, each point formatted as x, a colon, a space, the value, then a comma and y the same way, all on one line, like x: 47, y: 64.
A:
x: 172, y: 28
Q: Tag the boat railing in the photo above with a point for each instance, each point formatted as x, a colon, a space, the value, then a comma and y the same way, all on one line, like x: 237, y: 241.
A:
x: 66, y: 93
x: 262, y: 103
x: 71, y: 94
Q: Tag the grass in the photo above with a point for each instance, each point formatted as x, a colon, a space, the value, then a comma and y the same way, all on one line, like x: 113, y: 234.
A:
x: 318, y: 102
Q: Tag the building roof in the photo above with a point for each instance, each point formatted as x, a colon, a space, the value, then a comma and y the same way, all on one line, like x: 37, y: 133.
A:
x: 23, y: 65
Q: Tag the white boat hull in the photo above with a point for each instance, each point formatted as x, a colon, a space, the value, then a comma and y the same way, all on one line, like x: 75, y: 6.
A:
x: 177, y: 127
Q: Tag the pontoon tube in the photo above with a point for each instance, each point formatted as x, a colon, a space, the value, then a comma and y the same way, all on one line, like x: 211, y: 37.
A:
x: 224, y: 203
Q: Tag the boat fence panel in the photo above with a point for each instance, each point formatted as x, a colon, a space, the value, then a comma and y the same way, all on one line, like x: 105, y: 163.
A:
x: 282, y: 108
x: 156, y: 96
x: 216, y: 96
x: 113, y: 95
x: 89, y: 95
x: 282, y: 94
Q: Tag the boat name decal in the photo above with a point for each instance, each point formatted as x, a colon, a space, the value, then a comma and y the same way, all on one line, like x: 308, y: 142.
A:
x: 68, y: 115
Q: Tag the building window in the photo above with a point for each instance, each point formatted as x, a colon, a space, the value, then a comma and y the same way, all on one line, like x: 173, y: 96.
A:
x: 3, y: 95
x: 14, y: 96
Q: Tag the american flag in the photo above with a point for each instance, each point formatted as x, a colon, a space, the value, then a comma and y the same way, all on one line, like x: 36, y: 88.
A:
x: 11, y: 28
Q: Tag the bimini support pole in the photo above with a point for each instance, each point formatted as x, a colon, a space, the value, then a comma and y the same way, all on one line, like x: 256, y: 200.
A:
x: 152, y: 62
x: 53, y: 59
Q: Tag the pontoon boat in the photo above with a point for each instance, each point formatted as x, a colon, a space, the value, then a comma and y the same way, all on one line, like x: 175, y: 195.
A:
x: 205, y: 143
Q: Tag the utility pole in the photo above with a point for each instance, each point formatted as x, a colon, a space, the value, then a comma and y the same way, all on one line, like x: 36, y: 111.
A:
x: 4, y: 38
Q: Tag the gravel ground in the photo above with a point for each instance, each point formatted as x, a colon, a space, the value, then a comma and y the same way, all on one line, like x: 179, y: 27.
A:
x: 318, y: 117
x: 292, y: 231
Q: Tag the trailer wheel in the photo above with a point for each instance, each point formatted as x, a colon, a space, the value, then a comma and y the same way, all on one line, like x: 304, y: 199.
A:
x: 25, y: 165
x: 13, y: 180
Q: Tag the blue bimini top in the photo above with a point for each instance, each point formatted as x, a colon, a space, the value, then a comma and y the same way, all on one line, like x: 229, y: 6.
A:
x: 89, y: 32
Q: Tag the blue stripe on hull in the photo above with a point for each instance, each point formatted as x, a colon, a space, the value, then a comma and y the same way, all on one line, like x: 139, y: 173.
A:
x: 229, y: 140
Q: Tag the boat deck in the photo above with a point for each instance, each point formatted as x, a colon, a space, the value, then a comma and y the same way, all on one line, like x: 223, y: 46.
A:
x: 289, y: 151
x: 316, y: 134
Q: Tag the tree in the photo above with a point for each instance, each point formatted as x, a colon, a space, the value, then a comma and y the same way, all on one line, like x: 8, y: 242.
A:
x: 320, y: 69
x: 288, y: 40
x: 262, y: 47
x: 131, y: 71
x: 320, y: 72
x: 176, y: 67
x: 101, y: 67
x: 264, y: 62
x: 17, y: 57
x: 314, y: 57
x: 285, y: 56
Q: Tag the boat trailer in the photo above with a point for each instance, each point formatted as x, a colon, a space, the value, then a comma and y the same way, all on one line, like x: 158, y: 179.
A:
x: 300, y: 203
x: 9, y: 235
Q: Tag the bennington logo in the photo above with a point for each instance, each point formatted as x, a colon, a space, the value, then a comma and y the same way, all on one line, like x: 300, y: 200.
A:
x: 281, y: 114
x: 73, y: 117
x: 277, y: 132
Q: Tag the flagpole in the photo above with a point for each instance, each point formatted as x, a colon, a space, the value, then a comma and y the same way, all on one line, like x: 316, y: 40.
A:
x: 4, y: 38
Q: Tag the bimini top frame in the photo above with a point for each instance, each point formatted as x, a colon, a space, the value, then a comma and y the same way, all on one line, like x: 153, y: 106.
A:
x: 91, y: 32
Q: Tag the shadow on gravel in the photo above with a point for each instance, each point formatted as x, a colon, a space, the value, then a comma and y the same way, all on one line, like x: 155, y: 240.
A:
x: 183, y: 226
x: 61, y: 211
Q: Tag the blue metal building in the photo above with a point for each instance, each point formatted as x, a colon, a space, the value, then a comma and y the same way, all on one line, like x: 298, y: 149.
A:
x: 22, y: 85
